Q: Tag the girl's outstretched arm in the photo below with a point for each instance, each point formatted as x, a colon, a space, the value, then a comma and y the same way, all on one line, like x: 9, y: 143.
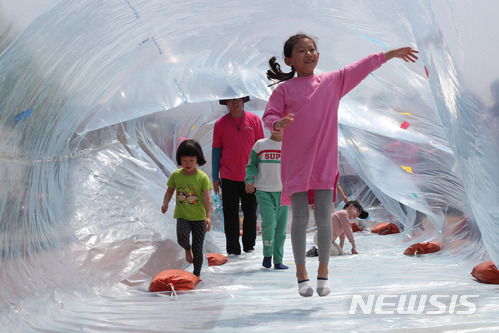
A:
x: 406, y: 53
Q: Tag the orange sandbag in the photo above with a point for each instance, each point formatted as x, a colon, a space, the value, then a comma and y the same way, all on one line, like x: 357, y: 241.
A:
x: 486, y: 272
x: 421, y: 248
x: 385, y: 228
x: 216, y: 259
x: 355, y: 227
x: 176, y: 278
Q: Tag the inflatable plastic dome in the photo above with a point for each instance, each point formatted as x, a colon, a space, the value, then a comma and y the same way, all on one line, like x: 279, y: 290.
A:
x: 96, y: 95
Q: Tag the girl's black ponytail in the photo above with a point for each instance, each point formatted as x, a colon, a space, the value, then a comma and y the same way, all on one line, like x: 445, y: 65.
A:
x: 276, y: 75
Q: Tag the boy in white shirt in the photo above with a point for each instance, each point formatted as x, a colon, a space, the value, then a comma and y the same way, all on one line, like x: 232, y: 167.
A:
x: 263, y: 174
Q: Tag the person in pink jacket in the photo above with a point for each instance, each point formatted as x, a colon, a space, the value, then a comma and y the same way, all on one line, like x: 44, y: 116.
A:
x: 307, y: 106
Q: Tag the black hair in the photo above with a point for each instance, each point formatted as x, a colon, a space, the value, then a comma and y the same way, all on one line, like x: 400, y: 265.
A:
x: 190, y: 148
x: 363, y: 213
x: 274, y: 73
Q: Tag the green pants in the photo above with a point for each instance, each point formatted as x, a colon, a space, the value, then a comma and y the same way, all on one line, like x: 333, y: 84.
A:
x: 274, y: 223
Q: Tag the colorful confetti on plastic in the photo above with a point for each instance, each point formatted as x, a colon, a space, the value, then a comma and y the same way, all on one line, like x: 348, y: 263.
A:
x: 414, y: 194
x: 193, y: 127
x: 22, y: 115
x: 426, y: 71
x: 405, y: 125
x: 179, y: 89
x: 374, y: 40
x: 406, y: 168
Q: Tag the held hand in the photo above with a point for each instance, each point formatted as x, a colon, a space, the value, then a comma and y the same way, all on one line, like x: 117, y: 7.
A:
x: 284, y: 122
x: 216, y: 186
x: 250, y: 188
x: 164, y: 208
x: 406, y: 53
x: 207, y: 223
x: 345, y: 199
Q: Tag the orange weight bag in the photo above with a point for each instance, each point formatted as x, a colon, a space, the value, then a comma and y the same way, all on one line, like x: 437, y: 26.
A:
x: 173, y: 280
x: 216, y: 259
x: 421, y: 248
x: 385, y: 228
x: 486, y: 272
x: 355, y: 227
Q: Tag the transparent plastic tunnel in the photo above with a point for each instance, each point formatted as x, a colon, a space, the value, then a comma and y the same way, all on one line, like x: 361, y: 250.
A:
x: 96, y: 95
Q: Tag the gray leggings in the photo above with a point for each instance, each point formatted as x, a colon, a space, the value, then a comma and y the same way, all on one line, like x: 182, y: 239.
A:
x: 323, y: 212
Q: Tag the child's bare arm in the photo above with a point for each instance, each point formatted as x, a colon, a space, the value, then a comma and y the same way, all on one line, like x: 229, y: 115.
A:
x: 168, y: 196
x: 208, y: 208
x: 343, y: 196
x: 354, y: 248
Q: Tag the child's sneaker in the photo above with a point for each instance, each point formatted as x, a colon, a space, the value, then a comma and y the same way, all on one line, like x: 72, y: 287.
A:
x: 312, y: 252
x: 280, y: 266
x: 267, y: 262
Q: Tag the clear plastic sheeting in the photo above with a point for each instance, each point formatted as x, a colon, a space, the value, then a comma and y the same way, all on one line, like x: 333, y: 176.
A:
x: 96, y: 95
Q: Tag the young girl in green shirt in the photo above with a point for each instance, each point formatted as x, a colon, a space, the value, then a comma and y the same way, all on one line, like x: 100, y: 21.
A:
x: 193, y: 201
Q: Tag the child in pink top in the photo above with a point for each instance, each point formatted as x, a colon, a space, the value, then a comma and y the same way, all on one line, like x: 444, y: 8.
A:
x: 342, y: 228
x: 307, y: 106
x: 341, y: 223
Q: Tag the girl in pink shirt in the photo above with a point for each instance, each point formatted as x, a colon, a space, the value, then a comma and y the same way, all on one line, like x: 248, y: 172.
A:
x: 307, y: 106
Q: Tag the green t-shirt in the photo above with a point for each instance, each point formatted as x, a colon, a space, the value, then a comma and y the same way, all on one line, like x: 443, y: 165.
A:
x: 190, y: 204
